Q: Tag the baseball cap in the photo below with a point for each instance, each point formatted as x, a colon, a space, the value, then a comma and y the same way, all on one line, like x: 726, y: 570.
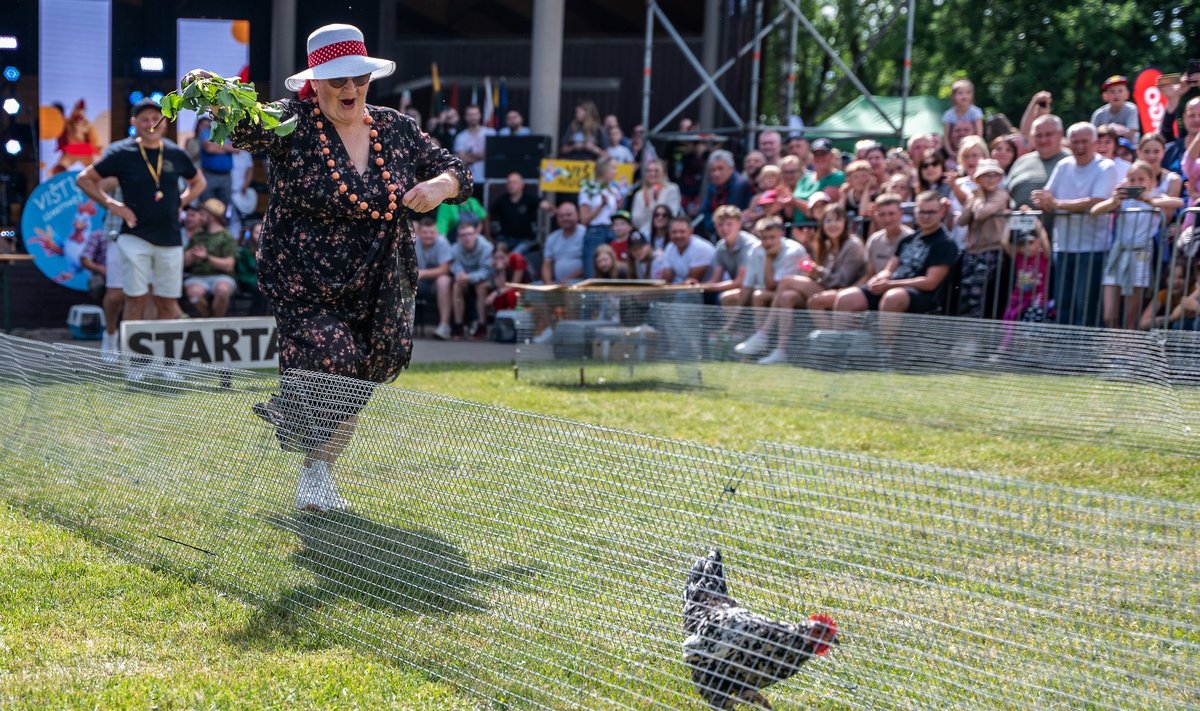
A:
x: 623, y: 215
x: 144, y: 104
x: 821, y: 144
x: 1114, y: 80
x: 1126, y: 144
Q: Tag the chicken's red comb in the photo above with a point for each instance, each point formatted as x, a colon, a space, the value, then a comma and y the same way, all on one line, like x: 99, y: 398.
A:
x: 821, y: 648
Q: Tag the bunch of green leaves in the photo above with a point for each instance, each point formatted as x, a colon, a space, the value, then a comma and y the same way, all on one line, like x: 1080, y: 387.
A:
x: 229, y: 102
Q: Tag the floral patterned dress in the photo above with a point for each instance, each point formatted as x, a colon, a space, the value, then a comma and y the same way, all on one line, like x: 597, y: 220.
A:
x: 341, y: 283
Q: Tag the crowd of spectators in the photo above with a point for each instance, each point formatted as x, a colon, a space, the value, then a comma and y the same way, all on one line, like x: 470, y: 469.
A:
x: 1083, y: 224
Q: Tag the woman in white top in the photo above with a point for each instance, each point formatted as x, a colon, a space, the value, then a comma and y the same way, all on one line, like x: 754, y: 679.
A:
x: 1150, y: 149
x: 656, y: 190
x: 598, y: 200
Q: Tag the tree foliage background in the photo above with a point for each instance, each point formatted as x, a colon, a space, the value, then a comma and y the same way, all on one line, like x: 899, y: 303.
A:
x: 1009, y: 49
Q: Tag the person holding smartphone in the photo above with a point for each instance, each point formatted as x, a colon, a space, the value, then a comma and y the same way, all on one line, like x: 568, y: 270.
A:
x: 1175, y: 87
x: 1040, y: 104
x: 1128, y: 266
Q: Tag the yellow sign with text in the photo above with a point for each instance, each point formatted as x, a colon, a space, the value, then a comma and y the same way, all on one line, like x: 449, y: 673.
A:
x: 566, y: 176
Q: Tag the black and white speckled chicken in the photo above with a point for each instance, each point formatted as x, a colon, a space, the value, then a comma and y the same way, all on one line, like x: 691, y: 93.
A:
x: 734, y: 653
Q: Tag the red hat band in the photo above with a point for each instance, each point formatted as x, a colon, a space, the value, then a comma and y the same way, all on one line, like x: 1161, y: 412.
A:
x: 337, y: 49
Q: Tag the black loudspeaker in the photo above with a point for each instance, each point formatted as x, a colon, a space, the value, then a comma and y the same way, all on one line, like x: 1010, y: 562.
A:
x: 522, y: 154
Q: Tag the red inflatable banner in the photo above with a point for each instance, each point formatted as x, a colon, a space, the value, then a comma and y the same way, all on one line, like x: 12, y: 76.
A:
x: 1151, y: 102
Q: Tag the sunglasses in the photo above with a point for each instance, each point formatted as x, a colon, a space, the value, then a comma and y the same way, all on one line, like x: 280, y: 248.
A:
x: 341, y: 81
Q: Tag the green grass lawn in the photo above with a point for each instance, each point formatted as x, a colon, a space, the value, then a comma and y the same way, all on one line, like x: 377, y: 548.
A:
x: 854, y: 419
x: 477, y: 596
x: 83, y: 628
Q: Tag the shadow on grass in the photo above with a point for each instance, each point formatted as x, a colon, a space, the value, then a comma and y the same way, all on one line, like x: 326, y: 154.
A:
x: 359, y: 563
x: 636, y: 386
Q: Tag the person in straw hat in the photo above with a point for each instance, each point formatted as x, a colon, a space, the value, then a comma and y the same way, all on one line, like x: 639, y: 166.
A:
x: 208, y: 262
x: 983, y: 267
x: 336, y: 258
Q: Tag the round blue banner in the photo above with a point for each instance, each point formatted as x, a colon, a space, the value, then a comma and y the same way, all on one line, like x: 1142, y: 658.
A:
x: 57, y: 222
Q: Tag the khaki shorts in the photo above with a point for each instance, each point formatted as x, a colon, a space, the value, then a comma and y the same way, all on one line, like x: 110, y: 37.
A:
x: 209, y: 282
x: 144, y: 264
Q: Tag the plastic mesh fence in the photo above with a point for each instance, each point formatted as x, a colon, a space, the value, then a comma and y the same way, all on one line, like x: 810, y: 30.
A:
x: 1127, y: 388
x: 542, y: 563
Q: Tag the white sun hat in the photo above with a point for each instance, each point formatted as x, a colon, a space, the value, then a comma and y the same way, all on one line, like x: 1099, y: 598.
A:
x: 336, y: 51
x: 987, y: 165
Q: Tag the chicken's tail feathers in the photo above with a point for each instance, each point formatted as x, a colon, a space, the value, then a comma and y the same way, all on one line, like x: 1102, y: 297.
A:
x: 709, y: 571
x: 705, y: 588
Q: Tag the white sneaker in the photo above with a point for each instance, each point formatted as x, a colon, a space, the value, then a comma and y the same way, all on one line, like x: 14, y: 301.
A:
x: 317, y: 491
x: 135, y: 373
x: 774, y: 357
x: 110, y: 348
x: 544, y: 337
x: 755, y: 345
x: 442, y: 332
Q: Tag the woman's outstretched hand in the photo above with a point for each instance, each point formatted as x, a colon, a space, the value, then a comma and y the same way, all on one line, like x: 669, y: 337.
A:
x: 194, y: 75
x: 428, y: 195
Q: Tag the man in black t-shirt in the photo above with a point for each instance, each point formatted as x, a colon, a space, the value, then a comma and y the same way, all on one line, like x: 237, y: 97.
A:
x: 912, y: 279
x: 514, y: 214
x: 148, y: 168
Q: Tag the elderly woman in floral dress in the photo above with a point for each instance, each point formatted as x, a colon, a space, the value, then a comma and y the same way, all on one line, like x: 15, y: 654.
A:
x: 336, y: 257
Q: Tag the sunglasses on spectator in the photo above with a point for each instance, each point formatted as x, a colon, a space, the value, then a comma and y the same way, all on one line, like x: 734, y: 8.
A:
x: 338, y: 83
x: 929, y: 164
x: 928, y: 213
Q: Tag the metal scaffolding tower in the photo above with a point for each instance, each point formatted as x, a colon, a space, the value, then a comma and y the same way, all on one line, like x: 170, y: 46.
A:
x: 749, y: 126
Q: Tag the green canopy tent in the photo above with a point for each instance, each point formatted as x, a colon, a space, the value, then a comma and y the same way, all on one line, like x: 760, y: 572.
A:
x: 858, y: 119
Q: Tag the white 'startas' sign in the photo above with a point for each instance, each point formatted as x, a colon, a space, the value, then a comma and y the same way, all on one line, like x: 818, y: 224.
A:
x: 241, y: 342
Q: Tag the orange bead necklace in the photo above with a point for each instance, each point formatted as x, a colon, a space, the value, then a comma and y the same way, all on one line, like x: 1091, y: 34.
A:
x: 337, y: 177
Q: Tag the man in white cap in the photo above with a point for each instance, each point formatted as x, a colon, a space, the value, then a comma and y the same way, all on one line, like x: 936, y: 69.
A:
x: 337, y: 258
